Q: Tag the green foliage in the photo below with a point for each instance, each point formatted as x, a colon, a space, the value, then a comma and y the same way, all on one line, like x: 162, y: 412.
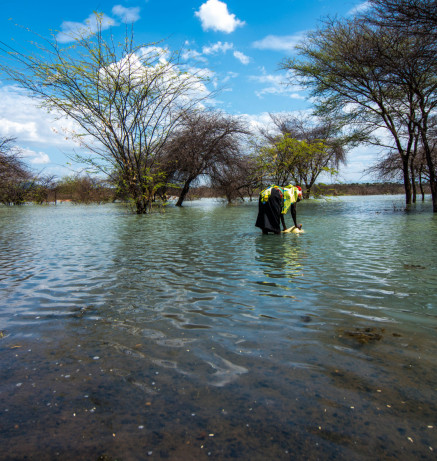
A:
x: 291, y: 160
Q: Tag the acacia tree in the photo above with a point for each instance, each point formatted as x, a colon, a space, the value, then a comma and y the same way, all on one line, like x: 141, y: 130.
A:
x: 373, y: 77
x: 126, y: 100
x: 205, y: 142
x: 416, y: 22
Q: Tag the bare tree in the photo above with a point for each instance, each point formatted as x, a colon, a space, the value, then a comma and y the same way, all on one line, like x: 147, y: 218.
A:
x: 126, y: 100
x: 15, y: 176
x: 205, y: 142
x: 419, y: 16
x: 235, y: 179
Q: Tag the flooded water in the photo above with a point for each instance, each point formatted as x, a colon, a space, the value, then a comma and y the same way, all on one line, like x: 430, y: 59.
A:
x: 189, y: 335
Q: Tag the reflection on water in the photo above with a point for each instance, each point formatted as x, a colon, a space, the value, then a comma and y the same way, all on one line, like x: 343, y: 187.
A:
x: 190, y: 335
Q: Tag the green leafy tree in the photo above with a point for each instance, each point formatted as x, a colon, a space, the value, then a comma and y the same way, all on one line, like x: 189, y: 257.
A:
x: 300, y: 149
x: 125, y: 99
x: 291, y: 160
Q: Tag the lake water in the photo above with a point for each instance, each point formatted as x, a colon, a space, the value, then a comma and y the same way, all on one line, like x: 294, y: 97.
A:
x: 189, y: 335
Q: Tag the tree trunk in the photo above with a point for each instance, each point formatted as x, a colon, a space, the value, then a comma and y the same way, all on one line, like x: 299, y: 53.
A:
x: 432, y: 175
x: 413, y: 181
x: 184, y: 191
x: 433, y: 185
x: 407, y: 183
x: 142, y: 205
x: 421, y: 186
x: 431, y: 166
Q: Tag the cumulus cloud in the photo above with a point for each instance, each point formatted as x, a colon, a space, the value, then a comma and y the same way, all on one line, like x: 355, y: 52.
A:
x: 214, y: 15
x: 35, y: 158
x: 72, y: 30
x: 126, y: 15
x: 241, y: 57
x: 279, y: 43
x: 192, y: 54
x: 33, y: 125
x: 23, y: 129
x: 218, y: 47
x: 276, y: 85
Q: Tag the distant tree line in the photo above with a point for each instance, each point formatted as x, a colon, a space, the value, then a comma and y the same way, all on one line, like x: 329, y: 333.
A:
x: 18, y: 184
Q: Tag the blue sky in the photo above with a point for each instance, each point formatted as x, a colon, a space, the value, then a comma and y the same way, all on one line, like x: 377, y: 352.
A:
x: 239, y: 42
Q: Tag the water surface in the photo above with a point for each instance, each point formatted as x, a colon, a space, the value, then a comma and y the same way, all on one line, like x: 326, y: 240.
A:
x: 190, y: 335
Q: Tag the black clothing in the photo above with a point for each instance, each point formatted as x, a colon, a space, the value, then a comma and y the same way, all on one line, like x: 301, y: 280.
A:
x: 269, y: 213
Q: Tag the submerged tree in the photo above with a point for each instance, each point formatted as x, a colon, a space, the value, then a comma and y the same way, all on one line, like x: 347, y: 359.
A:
x: 205, y: 143
x: 372, y: 76
x: 235, y: 179
x: 125, y: 99
x: 415, y: 21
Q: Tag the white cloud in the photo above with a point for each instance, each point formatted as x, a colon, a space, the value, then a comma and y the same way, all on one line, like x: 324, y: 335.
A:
x: 278, y: 91
x: 241, y: 57
x: 218, y: 47
x: 279, y: 43
x: 214, y: 15
x: 32, y: 125
x: 275, y: 80
x: 72, y: 30
x: 24, y: 129
x: 259, y: 121
x: 193, y: 54
x: 35, y: 158
x: 229, y: 76
x: 358, y: 160
x: 277, y: 85
x: 126, y: 15
x: 360, y: 8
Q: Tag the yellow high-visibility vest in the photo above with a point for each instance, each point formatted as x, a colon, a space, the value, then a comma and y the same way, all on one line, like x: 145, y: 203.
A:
x: 289, y: 195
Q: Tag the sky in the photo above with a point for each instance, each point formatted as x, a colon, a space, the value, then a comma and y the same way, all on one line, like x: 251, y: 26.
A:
x: 240, y: 43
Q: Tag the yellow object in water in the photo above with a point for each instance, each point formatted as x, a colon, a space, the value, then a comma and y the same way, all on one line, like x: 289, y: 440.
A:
x: 293, y: 230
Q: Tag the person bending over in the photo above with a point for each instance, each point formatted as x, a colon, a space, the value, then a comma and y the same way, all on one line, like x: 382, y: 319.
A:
x: 274, y: 202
